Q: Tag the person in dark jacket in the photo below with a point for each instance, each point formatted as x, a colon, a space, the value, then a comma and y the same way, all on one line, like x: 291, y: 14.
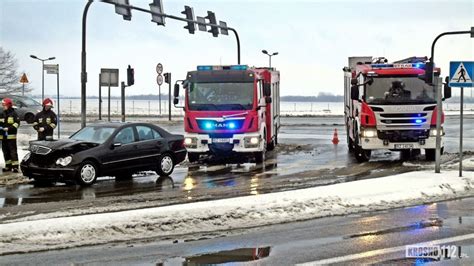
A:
x: 10, y: 125
x: 45, y: 121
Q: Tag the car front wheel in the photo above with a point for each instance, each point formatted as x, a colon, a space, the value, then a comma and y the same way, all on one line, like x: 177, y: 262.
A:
x: 87, y: 173
x: 165, y: 165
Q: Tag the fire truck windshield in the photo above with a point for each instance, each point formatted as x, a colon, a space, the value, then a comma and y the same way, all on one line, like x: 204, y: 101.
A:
x: 399, y: 90
x: 221, y: 96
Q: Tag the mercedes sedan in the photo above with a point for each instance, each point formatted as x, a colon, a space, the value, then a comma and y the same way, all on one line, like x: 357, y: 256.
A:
x: 105, y: 149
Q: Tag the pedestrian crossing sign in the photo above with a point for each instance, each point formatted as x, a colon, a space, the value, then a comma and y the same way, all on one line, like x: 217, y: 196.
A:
x: 461, y: 74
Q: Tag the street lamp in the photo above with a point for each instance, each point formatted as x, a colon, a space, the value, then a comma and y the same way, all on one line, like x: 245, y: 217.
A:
x: 269, y: 56
x: 42, y: 61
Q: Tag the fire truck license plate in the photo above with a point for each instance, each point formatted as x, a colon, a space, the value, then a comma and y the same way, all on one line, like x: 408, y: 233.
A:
x: 220, y: 140
x: 403, y: 146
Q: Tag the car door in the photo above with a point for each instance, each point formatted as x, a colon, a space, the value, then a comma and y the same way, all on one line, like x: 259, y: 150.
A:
x: 123, y: 151
x: 151, y: 145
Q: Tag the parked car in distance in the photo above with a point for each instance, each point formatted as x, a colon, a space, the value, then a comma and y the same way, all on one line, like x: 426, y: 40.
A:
x: 105, y: 149
x: 25, y: 107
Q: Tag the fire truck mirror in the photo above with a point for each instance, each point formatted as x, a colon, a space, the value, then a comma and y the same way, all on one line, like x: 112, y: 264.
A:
x: 447, y: 89
x: 355, y: 93
x: 267, y: 89
x: 353, y: 82
x: 175, y: 101
x: 370, y: 81
x: 268, y: 100
x: 176, y: 90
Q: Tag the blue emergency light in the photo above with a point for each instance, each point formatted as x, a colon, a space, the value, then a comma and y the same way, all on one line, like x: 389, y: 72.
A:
x: 204, y: 68
x: 418, y: 121
x: 239, y: 67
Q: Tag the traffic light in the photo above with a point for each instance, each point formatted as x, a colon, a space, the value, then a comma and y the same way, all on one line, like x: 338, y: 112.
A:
x: 130, y: 76
x: 429, y: 68
x: 212, y: 20
x: 189, y: 12
x: 124, y: 11
x: 157, y: 7
x: 167, y: 77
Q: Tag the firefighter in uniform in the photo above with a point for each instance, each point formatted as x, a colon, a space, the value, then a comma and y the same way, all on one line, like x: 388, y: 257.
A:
x: 45, y: 121
x: 10, y: 124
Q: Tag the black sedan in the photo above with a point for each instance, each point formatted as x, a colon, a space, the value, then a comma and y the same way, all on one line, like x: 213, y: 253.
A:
x: 105, y: 149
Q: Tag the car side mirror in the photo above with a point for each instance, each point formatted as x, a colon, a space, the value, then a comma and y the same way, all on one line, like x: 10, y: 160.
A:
x: 355, y: 93
x: 267, y: 89
x: 268, y: 100
x: 447, y: 89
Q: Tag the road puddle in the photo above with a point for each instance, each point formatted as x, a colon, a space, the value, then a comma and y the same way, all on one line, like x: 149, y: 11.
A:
x: 229, y: 256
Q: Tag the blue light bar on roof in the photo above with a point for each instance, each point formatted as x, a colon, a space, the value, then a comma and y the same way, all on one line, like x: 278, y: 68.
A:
x: 239, y: 67
x: 204, y: 68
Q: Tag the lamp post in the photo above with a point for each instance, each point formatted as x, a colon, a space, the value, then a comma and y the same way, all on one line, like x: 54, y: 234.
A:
x: 42, y: 72
x: 269, y: 56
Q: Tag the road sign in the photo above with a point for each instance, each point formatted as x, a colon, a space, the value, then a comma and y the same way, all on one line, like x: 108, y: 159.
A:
x: 159, y: 79
x: 159, y: 68
x: 109, y: 77
x: 51, y: 68
x: 461, y: 74
x: 24, y: 79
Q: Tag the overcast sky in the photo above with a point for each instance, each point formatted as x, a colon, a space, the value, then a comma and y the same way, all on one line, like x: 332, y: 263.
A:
x: 313, y: 38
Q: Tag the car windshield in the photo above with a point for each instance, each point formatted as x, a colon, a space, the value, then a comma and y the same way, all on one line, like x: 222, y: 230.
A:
x: 221, y: 96
x: 29, y: 101
x: 93, y: 134
x: 399, y: 90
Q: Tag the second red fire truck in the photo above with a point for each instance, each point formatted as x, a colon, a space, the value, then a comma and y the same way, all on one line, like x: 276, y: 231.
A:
x: 231, y: 110
x: 387, y: 106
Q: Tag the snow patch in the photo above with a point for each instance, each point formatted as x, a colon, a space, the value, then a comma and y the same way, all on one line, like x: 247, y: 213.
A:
x: 242, y: 212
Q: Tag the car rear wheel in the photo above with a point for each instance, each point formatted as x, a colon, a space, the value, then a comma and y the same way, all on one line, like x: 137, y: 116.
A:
x: 29, y: 118
x: 165, y: 165
x: 87, y: 173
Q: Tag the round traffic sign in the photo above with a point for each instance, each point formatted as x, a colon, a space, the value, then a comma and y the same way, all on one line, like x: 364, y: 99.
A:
x: 159, y: 68
x: 159, y: 79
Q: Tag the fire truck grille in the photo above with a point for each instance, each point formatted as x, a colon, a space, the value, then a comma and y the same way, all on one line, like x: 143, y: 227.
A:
x: 404, y: 135
x: 415, y: 115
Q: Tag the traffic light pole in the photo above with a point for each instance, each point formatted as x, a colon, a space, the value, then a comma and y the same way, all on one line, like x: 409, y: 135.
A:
x: 123, y: 100
x: 439, y: 97
x: 169, y: 97
x: 83, y: 52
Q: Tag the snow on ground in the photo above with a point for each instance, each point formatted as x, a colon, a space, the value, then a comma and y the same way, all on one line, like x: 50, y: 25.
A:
x: 242, y: 212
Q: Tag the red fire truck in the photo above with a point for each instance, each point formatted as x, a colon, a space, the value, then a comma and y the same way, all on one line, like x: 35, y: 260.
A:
x: 231, y: 110
x: 387, y: 106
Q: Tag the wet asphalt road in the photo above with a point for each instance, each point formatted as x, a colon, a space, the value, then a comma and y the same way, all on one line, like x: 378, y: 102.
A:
x: 305, y: 158
x: 367, y: 238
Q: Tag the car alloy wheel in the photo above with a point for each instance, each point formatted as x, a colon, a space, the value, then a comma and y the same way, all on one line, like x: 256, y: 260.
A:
x: 88, y: 174
x: 167, y: 164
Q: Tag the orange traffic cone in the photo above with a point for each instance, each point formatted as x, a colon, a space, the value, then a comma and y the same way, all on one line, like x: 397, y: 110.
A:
x: 335, y: 138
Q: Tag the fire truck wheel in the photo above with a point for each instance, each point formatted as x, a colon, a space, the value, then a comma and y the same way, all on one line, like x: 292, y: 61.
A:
x: 362, y: 155
x: 430, y: 154
x: 260, y: 157
x: 193, y: 157
x: 271, y: 146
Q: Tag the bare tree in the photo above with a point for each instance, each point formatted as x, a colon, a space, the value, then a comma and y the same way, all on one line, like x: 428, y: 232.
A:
x: 9, y: 76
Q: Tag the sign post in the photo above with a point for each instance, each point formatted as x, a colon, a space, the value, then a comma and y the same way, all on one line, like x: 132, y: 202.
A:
x: 460, y: 75
x: 54, y: 69
x: 109, y: 77
x: 23, y: 80
x: 159, y: 80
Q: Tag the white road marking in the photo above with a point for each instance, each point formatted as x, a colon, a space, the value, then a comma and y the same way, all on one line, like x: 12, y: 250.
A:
x: 383, y: 251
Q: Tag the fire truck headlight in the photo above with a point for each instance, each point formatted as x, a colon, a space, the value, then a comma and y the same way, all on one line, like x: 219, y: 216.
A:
x: 251, y: 142
x: 434, y: 132
x: 369, y: 133
x: 190, y: 142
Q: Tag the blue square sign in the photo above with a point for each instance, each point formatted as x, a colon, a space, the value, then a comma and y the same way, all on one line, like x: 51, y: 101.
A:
x: 461, y: 74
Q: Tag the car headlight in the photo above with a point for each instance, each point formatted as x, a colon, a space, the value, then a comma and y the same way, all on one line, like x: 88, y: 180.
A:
x: 64, y: 161
x: 190, y: 142
x: 434, y: 132
x: 369, y: 133
x: 250, y: 142
x: 27, y: 156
